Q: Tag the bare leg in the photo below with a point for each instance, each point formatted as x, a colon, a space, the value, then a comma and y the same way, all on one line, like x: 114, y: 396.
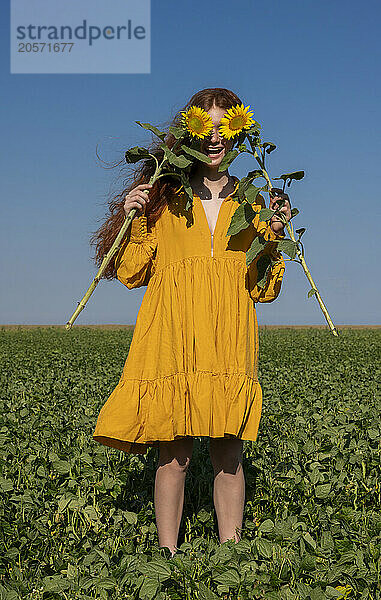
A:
x: 174, y: 459
x: 229, y: 486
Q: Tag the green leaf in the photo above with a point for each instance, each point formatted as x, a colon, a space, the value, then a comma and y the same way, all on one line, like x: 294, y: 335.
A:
x: 263, y: 268
x: 177, y: 132
x: 266, y: 526
x: 311, y: 292
x: 178, y: 161
x: 91, y: 513
x: 327, y: 542
x: 257, y: 245
x: 240, y: 138
x: 300, y: 231
x: 55, y: 583
x: 246, y: 182
x: 288, y: 246
x: 205, y: 593
x: 157, y: 569
x: 228, y: 159
x: 303, y: 589
x: 135, y: 154
x: 242, y: 187
x: 255, y: 174
x: 254, y: 129
x: 269, y: 147
x: 155, y: 130
x: 105, y: 583
x: 309, y: 539
x: 8, y: 594
x: 187, y: 189
x: 241, y: 218
x: 203, y: 516
x: 288, y: 177
x: 230, y: 578
x: 308, y: 563
x: 265, y: 214
x: 195, y: 154
x: 323, y: 491
x: 130, y: 517
x: 61, y: 466
x: 264, y: 547
x: 251, y: 193
x: 64, y: 502
x: 373, y: 433
x: 6, y: 485
x: 331, y: 592
x: 149, y: 589
x: 315, y: 476
x: 317, y: 594
x: 294, y: 212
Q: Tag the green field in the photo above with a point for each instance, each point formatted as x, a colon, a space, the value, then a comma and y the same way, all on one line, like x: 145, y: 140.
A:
x: 77, y: 518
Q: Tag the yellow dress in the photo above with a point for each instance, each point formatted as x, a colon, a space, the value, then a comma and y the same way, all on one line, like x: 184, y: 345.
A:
x: 191, y: 369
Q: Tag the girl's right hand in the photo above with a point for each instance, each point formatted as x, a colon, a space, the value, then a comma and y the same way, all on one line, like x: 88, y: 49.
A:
x: 137, y: 198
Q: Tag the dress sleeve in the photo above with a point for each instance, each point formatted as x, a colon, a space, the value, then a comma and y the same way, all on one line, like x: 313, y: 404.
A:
x: 273, y: 283
x: 134, y: 262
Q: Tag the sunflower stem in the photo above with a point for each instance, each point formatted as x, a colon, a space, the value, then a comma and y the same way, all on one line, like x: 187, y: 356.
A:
x: 116, y: 245
x: 302, y: 260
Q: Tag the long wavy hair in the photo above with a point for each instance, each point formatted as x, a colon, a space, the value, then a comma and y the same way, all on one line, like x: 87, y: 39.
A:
x: 163, y: 190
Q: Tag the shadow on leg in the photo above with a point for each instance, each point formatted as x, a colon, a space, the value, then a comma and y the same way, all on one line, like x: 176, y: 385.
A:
x: 173, y: 463
x: 229, y: 486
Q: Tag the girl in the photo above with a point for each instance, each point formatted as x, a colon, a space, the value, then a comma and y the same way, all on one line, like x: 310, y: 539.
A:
x: 191, y: 370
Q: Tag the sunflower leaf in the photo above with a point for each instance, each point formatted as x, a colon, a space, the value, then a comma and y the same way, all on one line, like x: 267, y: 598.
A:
x: 288, y: 177
x: 228, y: 159
x: 255, y: 174
x: 263, y: 269
x: 254, y: 129
x: 240, y: 138
x: 178, y: 161
x: 188, y: 192
x: 269, y: 147
x: 199, y: 155
x: 155, y: 130
x: 251, y: 193
x: 242, y: 187
x: 177, y: 132
x: 241, y: 219
x: 266, y: 214
x: 288, y: 246
x: 300, y: 231
x: 256, y: 247
x: 135, y: 154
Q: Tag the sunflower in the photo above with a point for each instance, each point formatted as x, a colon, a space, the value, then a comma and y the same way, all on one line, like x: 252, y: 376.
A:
x: 197, y: 122
x: 234, y: 120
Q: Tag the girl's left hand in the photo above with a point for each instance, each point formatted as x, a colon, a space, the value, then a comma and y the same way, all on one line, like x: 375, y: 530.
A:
x: 275, y: 223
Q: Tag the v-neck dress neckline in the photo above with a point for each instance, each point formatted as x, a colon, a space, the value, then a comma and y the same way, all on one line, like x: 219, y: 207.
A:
x: 219, y: 210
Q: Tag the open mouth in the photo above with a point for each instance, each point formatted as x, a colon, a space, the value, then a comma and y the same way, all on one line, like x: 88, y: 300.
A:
x: 214, y: 152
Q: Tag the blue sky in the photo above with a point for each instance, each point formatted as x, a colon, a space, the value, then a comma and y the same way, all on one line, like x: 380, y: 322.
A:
x: 310, y: 72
